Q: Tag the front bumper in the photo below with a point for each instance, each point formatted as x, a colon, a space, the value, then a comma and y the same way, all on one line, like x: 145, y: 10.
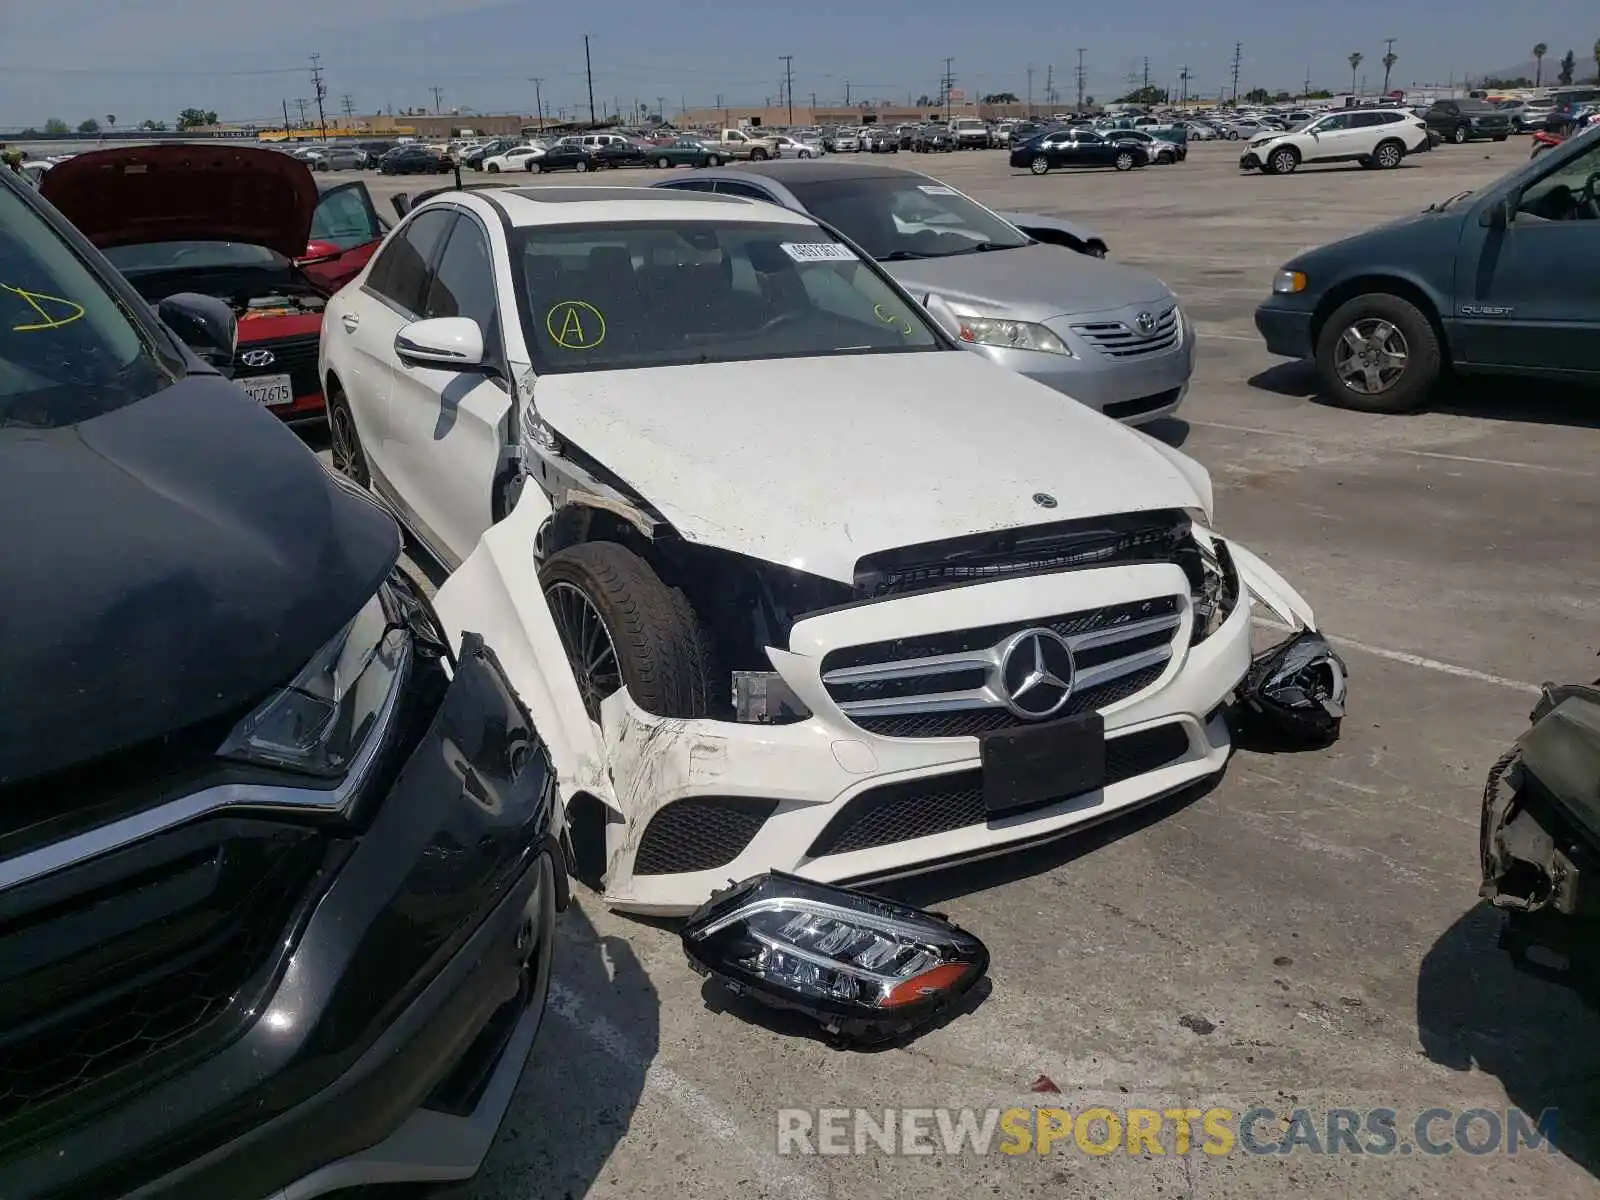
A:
x: 828, y: 800
x: 381, y: 1035
x: 1287, y: 330
x: 1249, y: 161
x: 1132, y: 390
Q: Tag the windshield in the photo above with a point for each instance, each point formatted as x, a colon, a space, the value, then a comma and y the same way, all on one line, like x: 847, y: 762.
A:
x: 183, y: 256
x: 904, y: 216
x: 68, y: 350
x: 664, y: 293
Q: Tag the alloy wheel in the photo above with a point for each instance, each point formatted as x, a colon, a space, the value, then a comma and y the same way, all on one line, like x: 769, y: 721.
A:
x: 1388, y: 156
x: 1370, y: 356
x: 1040, y: 165
x: 588, y: 644
x: 344, y: 445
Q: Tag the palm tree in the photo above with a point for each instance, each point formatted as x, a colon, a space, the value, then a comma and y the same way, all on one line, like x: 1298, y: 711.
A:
x: 1355, y: 65
x: 1389, y: 61
x: 1539, y: 52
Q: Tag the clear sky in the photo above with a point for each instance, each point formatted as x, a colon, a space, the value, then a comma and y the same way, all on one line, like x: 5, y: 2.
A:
x: 149, y: 58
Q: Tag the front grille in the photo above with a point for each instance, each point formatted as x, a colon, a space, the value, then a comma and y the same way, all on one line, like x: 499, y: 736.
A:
x: 902, y: 812
x: 700, y: 833
x: 294, y: 356
x: 1121, y: 410
x: 948, y: 684
x: 121, y: 966
x: 1119, y: 341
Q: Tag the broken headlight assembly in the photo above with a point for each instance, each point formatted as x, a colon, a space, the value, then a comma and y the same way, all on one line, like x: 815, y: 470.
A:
x: 318, y: 723
x: 866, y: 969
x: 1297, y: 689
x: 1213, y: 582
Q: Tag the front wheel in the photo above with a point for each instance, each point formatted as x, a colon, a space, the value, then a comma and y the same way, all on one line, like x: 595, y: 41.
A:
x: 663, y: 162
x: 534, y: 166
x: 713, y: 161
x: 1124, y: 161
x: 582, y: 166
x: 621, y: 626
x: 1040, y: 165
x: 494, y: 168
x: 805, y: 154
x: 1378, y: 353
x: 1283, y: 161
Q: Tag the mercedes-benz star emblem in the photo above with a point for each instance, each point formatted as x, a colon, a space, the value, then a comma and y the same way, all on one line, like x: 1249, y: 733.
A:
x: 1044, y: 499
x: 1036, y: 671
x: 256, y: 358
x: 1146, y: 323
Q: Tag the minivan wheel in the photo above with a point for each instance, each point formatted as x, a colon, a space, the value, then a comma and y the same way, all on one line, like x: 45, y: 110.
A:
x: 1283, y: 161
x: 622, y: 626
x: 344, y: 443
x: 1459, y: 137
x: 1378, y: 353
x: 1124, y: 161
x: 1040, y: 164
x: 1388, y: 155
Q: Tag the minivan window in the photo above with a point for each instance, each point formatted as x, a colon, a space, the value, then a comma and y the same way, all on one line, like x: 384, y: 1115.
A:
x: 68, y: 349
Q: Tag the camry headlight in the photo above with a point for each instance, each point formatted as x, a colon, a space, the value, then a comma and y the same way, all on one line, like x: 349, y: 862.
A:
x: 1287, y: 283
x: 1009, y: 335
x: 318, y: 723
x: 1213, y: 582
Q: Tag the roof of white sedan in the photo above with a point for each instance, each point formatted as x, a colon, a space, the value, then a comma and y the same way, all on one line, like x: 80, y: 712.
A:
x: 582, y: 205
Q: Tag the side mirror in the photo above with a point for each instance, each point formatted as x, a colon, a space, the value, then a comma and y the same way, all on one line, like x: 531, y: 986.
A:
x: 939, y: 309
x: 317, y: 252
x: 451, y: 343
x: 203, y: 323
x: 402, y: 204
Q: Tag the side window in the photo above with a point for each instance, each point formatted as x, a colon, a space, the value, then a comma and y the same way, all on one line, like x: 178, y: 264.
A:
x: 1365, y: 120
x: 728, y: 187
x: 690, y: 185
x: 401, y: 268
x: 463, y: 282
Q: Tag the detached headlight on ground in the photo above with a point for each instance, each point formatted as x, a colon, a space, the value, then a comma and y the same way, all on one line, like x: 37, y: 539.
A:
x: 1288, y: 283
x: 318, y: 723
x: 1010, y: 335
x: 866, y: 969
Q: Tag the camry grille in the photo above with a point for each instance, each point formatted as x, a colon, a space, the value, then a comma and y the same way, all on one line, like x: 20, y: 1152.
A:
x: 1122, y: 342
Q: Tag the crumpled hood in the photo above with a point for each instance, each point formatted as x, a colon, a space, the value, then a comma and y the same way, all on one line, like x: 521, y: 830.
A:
x: 1032, y: 283
x: 816, y: 462
x: 168, y: 562
x: 190, y: 193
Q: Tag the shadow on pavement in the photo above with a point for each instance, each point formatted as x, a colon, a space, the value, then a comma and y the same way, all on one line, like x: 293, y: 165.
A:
x: 585, y: 1076
x: 1475, y: 1011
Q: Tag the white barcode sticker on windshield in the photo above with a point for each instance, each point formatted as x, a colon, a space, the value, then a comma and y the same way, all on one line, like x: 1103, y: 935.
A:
x: 818, y: 252
x: 936, y: 189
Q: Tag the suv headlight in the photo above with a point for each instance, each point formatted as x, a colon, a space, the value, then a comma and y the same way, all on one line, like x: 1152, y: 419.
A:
x: 318, y: 723
x: 1009, y: 335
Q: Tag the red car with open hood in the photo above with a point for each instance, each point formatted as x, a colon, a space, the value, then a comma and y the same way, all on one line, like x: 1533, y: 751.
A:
x: 246, y: 225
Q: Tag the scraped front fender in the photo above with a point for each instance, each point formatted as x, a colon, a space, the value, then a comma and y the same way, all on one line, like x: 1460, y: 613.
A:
x: 1272, y: 590
x: 495, y: 593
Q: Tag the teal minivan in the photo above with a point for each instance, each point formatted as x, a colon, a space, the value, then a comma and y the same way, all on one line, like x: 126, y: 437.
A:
x: 1505, y: 280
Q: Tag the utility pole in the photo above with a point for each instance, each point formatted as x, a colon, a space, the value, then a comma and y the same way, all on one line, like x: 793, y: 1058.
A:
x: 588, y: 70
x: 1030, y: 90
x: 1389, y: 60
x: 1238, y: 55
x: 949, y: 82
x: 321, y: 90
x: 437, y: 93
x: 661, y: 110
x: 538, y: 97
x: 348, y: 105
x: 847, y: 93
x: 813, y: 106
x: 788, y: 82
x: 1049, y: 84
x: 285, y: 118
x: 1146, y: 86
x: 1306, y: 95
x: 1183, y: 82
x: 301, y: 101
x: 1080, y: 79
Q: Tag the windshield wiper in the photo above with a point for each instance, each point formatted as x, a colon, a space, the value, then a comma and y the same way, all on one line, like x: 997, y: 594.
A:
x: 1440, y: 206
x: 903, y: 256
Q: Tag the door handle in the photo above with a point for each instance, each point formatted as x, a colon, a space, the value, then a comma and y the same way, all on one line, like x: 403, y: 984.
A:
x: 350, y: 321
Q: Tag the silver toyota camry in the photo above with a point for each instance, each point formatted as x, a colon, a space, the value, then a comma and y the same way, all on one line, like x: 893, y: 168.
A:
x: 1109, y: 336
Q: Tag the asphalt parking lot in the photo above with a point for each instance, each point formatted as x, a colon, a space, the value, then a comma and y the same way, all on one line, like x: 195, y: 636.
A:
x: 1307, y: 932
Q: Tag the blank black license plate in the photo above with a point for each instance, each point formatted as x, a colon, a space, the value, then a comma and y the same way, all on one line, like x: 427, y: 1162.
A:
x: 1037, y: 764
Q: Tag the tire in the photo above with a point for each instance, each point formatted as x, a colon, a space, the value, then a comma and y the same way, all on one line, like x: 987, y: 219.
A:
x: 1233, y: 135
x: 534, y: 167
x: 1388, y: 155
x: 1365, y: 316
x: 494, y: 168
x: 1283, y: 160
x: 758, y: 155
x: 713, y: 161
x: 1459, y: 137
x: 581, y: 165
x: 663, y: 162
x: 805, y: 154
x: 1124, y: 161
x: 660, y: 651
x: 1040, y: 165
x: 349, y: 456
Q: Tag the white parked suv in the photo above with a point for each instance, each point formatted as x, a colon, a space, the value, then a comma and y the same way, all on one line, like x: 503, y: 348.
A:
x: 786, y: 577
x: 1373, y: 137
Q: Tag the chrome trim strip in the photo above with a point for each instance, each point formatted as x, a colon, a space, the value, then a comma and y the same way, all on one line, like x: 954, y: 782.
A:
x: 92, y: 843
x: 897, y: 706
x: 1090, y: 677
x: 910, y: 668
x: 1124, y: 633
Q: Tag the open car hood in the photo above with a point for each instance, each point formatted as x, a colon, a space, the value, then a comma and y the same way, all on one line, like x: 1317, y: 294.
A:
x: 215, y: 193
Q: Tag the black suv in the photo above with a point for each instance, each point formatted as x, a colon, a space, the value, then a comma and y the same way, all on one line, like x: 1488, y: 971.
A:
x: 278, y: 869
x: 1461, y: 121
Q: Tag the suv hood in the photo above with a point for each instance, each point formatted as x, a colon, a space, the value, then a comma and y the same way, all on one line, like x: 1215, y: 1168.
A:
x: 816, y: 462
x: 182, y: 556
x: 1031, y: 283
x: 191, y: 193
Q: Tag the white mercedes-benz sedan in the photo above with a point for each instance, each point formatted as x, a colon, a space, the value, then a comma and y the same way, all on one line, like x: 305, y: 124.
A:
x: 787, y: 578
